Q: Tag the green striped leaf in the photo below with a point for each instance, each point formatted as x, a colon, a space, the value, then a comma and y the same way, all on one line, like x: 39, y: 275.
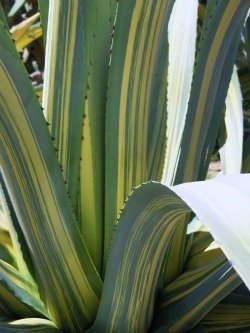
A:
x: 98, y: 21
x: 231, y: 152
x: 32, y: 176
x: 206, y: 279
x: 16, y: 240
x: 9, y: 236
x: 63, y: 95
x: 217, y: 51
x: 28, y: 325
x: 151, y: 218
x: 136, y: 116
x: 19, y: 295
x: 228, y: 318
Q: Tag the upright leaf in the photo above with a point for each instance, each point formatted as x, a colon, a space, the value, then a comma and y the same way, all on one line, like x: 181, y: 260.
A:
x: 217, y: 51
x: 231, y: 152
x: 136, y: 117
x: 181, y: 37
x: 98, y: 18
x: 63, y: 96
x: 33, y: 178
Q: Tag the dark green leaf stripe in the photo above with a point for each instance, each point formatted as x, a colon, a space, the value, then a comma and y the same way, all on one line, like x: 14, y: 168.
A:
x: 28, y: 325
x: 97, y: 32
x: 214, y: 68
x: 136, y: 117
x: 148, y: 223
x: 206, y: 279
x: 33, y: 179
x: 63, y: 97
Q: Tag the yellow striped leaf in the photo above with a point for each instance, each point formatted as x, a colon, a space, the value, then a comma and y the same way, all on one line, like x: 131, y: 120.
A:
x: 142, y: 240
x: 136, y: 117
x: 19, y: 296
x: 207, y: 278
x: 98, y: 27
x: 32, y: 176
x: 228, y: 318
x: 63, y: 93
x: 149, y: 221
x: 9, y: 236
x: 216, y: 54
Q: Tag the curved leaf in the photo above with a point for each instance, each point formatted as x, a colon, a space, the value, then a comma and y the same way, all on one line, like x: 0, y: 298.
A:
x: 34, y: 181
x: 206, y: 279
x: 136, y: 115
x: 142, y: 240
x: 217, y: 51
x: 28, y: 325
x: 19, y: 295
x: 227, y: 220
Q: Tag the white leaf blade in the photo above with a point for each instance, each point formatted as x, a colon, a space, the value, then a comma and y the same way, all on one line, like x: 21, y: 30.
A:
x: 182, y: 38
x: 223, y: 204
x: 231, y: 152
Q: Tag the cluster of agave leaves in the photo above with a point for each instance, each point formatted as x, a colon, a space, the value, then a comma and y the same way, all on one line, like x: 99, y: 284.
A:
x: 66, y: 262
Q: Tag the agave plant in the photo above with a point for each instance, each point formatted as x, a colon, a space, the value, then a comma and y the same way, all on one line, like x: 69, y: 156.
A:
x: 90, y: 238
